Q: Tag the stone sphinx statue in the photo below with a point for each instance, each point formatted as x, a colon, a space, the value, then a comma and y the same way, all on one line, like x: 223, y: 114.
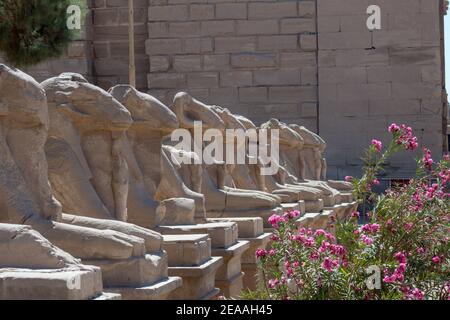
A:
x: 243, y: 177
x: 152, y: 121
x: 222, y: 199
x: 309, y: 163
x: 290, y: 144
x: 89, y: 166
x: 296, y: 164
x: 85, y: 148
x: 26, y: 195
x: 178, y: 188
x: 33, y: 268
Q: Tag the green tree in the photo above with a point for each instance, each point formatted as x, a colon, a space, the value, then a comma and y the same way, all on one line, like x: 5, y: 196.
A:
x: 32, y: 31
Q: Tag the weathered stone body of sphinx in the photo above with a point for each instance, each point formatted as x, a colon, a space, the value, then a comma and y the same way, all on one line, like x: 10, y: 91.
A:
x: 311, y: 154
x: 221, y: 200
x: 185, y: 212
x: 189, y: 254
x: 87, y: 163
x: 26, y: 195
x: 31, y: 268
x: 295, y: 163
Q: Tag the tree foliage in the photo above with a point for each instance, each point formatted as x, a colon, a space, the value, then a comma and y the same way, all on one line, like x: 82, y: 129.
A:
x: 32, y: 31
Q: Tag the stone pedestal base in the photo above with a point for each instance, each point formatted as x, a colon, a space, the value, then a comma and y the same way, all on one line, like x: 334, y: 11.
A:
x: 257, y: 213
x: 138, y: 278
x: 290, y: 206
x: 108, y: 296
x: 229, y: 276
x: 198, y: 282
x: 347, y: 197
x: 252, y: 277
x: 157, y: 291
x: 314, y: 205
x: 190, y: 258
x: 52, y: 284
x: 133, y: 272
x: 231, y: 288
x: 314, y: 220
x: 185, y: 250
x: 222, y: 234
x: 251, y: 230
x: 343, y: 210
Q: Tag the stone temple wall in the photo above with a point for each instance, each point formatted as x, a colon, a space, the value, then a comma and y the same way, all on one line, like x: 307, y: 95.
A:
x: 368, y: 80
x: 312, y: 62
x: 258, y: 58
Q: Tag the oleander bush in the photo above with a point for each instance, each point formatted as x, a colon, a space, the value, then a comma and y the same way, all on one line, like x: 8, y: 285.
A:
x: 401, y: 251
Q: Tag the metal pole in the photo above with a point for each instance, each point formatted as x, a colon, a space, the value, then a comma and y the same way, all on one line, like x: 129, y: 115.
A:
x: 132, y: 65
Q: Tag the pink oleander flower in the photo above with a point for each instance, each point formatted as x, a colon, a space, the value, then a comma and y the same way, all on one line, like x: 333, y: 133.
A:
x: 394, y: 128
x: 272, y: 252
x: 389, y: 223
x: 273, y: 283
x: 367, y: 240
x: 377, y: 144
x: 389, y: 279
x: 291, y: 214
x: 371, y: 228
x: 420, y: 250
x: 427, y: 160
x: 431, y: 191
x: 314, y: 256
x: 407, y: 139
x: 309, y: 242
x: 355, y: 214
x: 319, y: 232
x: 436, y: 260
x: 296, y: 264
x: 289, y: 272
x: 260, y: 253
x: 329, y: 264
x: 324, y: 246
x: 348, y: 178
x: 409, y: 226
x: 444, y: 175
x: 275, y: 220
x: 337, y: 250
x: 376, y: 182
x: 417, y: 294
x: 401, y: 257
x: 330, y: 237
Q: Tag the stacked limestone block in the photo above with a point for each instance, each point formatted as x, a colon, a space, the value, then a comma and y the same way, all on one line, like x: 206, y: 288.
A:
x: 251, y: 230
x: 190, y: 258
x: 224, y: 244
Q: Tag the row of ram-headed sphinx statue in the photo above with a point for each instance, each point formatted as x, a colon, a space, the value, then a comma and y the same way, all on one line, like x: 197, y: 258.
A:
x: 94, y: 205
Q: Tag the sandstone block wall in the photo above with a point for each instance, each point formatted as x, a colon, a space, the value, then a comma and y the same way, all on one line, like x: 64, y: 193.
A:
x: 259, y: 58
x: 312, y: 62
x: 369, y: 79
x: 110, y: 42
